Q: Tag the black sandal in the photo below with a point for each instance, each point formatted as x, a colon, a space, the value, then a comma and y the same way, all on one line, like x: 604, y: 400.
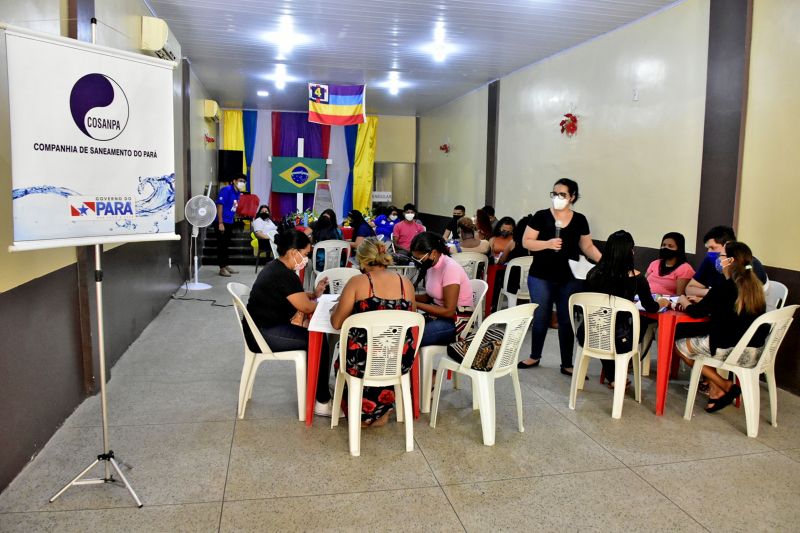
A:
x: 725, y: 400
x: 569, y: 373
x: 523, y: 365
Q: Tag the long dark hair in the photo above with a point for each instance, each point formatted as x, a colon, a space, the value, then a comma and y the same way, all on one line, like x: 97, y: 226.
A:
x: 324, y: 229
x: 613, y: 270
x: 680, y: 242
x: 356, y: 221
x: 483, y: 222
x: 332, y: 215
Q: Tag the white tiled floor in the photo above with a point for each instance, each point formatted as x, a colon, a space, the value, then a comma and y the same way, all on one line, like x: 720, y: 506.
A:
x: 172, y: 399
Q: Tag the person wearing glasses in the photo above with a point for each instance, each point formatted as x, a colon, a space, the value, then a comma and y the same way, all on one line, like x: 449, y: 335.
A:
x: 556, y: 235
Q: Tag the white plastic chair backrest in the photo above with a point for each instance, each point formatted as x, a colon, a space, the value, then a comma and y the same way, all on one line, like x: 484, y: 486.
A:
x: 780, y: 320
x: 386, y: 335
x: 335, y: 252
x: 524, y: 265
x: 479, y: 288
x: 516, y: 320
x: 272, y: 234
x: 239, y: 292
x: 338, y: 277
x: 600, y: 313
x: 775, y: 293
x: 471, y: 263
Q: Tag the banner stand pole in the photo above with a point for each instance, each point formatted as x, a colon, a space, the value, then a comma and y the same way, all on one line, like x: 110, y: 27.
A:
x: 107, y: 456
x: 109, y: 461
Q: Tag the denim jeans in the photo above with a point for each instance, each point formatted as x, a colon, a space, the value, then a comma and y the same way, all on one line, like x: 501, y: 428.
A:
x: 288, y: 337
x: 545, y: 293
x: 438, y: 332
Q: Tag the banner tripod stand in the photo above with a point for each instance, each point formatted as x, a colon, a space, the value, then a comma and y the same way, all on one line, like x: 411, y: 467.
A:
x: 109, y: 461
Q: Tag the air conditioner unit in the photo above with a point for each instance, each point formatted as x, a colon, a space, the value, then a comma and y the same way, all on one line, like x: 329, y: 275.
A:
x: 156, y: 38
x: 210, y: 110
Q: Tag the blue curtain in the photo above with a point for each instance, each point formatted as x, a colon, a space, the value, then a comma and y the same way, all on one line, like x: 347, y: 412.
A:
x: 350, y: 137
x: 249, y: 120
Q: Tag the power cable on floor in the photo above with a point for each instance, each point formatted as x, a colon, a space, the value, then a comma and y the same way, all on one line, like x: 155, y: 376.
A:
x: 186, y: 289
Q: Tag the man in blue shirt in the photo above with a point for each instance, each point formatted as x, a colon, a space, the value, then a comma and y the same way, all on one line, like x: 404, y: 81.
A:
x: 227, y: 202
x: 706, y: 275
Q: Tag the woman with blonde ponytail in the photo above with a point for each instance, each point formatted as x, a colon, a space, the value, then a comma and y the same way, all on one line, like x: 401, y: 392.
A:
x: 731, y: 307
x: 374, y: 290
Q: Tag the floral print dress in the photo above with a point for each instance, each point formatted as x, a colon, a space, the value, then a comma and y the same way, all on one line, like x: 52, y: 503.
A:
x: 375, y: 401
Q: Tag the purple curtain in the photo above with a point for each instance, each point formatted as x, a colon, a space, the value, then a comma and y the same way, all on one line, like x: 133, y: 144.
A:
x: 295, y: 126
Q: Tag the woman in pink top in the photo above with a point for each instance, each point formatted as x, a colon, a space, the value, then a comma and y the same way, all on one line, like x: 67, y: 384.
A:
x: 670, y: 273
x: 447, y: 288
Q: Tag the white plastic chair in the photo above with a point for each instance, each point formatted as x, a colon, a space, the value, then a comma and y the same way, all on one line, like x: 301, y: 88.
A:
x: 257, y: 251
x: 336, y: 254
x: 252, y: 360
x: 428, y: 354
x: 780, y: 320
x: 524, y: 265
x: 386, y: 335
x: 775, y: 293
x: 471, y: 263
x: 408, y: 271
x: 338, y: 277
x: 600, y: 312
x: 516, y: 321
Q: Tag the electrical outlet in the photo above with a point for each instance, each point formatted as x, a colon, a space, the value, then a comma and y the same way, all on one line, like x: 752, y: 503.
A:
x: 170, y: 262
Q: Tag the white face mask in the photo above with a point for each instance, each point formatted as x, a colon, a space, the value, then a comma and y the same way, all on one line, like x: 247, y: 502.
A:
x: 409, y: 216
x: 241, y: 185
x: 302, y: 264
x: 392, y: 217
x: 560, y: 203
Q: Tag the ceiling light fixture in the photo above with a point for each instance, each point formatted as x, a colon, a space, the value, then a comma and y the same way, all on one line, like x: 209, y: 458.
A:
x: 286, y: 38
x: 393, y: 84
x: 262, y: 93
x: 439, y: 48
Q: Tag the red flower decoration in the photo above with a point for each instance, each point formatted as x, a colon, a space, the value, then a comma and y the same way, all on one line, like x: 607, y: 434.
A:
x: 569, y: 125
x: 386, y: 396
x: 445, y: 148
x: 368, y: 406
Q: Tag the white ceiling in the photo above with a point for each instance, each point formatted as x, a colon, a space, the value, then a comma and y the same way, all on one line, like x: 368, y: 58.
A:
x: 353, y: 42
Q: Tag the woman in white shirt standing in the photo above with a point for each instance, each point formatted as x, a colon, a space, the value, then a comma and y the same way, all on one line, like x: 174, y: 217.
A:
x: 261, y: 225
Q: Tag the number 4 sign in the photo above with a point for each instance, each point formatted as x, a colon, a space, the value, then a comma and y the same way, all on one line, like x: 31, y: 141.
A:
x: 318, y: 93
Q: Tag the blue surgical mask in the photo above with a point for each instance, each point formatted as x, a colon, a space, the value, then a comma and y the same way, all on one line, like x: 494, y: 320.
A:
x: 712, y: 255
x: 718, y: 263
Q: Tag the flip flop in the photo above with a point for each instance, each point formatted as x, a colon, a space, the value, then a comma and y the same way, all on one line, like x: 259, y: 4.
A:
x: 523, y: 365
x: 725, y: 400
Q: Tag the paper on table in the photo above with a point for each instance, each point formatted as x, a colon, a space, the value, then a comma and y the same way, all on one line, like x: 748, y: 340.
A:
x: 672, y: 299
x: 321, y: 319
x: 581, y: 267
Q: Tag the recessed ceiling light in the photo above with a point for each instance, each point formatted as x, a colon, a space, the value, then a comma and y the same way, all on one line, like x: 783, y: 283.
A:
x: 262, y: 93
x: 286, y: 38
x: 439, y: 48
x: 393, y: 83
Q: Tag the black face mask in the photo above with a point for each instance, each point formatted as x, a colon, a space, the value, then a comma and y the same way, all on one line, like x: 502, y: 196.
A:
x: 505, y: 234
x: 263, y: 216
x: 667, y: 253
x: 456, y: 217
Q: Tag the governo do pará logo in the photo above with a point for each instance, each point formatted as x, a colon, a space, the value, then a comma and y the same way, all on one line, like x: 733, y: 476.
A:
x: 99, y: 107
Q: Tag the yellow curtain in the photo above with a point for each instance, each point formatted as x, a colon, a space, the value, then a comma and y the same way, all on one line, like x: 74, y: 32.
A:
x: 363, y: 169
x: 233, y: 134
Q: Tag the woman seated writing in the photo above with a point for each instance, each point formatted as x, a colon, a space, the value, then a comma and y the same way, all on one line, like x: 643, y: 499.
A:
x: 469, y: 242
x: 502, y: 242
x: 614, y: 274
x: 670, y: 273
x: 731, y: 307
x: 376, y: 289
x: 278, y: 305
x: 448, y: 292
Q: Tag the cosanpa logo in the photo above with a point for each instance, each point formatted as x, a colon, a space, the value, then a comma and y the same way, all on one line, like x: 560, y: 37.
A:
x: 99, y: 107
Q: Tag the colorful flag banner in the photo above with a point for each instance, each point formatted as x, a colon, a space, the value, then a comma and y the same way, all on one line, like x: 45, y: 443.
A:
x: 296, y: 174
x: 336, y: 105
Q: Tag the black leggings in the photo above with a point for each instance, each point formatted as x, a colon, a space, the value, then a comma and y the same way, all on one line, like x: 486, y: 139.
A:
x: 288, y: 337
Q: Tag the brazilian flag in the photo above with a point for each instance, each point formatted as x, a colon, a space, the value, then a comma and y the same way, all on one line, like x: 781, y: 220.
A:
x: 296, y: 174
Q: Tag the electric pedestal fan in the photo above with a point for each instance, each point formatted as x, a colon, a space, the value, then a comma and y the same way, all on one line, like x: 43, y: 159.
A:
x: 200, y: 211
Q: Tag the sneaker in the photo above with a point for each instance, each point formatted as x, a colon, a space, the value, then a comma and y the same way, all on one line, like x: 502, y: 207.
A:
x: 224, y: 273
x: 231, y: 271
x: 325, y: 409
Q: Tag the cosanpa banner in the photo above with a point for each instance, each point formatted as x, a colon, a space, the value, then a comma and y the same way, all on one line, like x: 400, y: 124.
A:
x: 92, y: 144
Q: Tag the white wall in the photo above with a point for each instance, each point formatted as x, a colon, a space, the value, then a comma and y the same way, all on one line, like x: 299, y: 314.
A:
x: 637, y: 162
x: 203, y: 156
x: 460, y: 176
